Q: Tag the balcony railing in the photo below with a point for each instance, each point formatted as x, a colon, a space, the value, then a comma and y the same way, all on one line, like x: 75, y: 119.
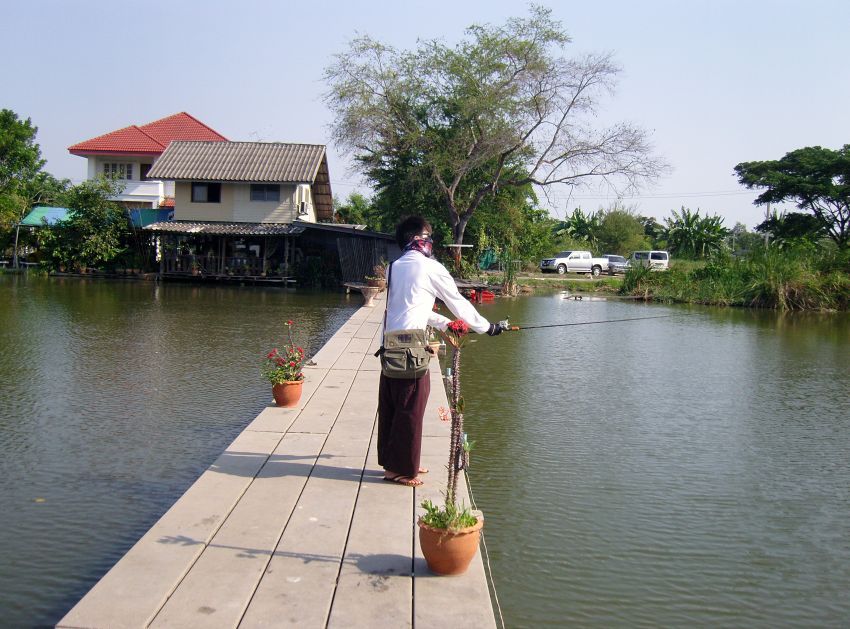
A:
x: 153, y: 190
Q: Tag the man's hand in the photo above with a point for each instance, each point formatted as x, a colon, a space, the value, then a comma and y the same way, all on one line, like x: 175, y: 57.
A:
x: 495, y: 329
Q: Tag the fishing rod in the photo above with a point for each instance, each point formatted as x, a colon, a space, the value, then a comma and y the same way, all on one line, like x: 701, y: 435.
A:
x: 505, y: 325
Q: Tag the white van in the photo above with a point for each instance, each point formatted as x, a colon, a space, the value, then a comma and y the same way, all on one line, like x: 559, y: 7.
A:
x: 656, y: 260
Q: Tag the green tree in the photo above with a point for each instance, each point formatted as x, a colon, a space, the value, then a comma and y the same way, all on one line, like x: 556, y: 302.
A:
x: 818, y: 179
x: 689, y: 235
x: 95, y: 231
x: 20, y: 156
x: 742, y: 240
x: 357, y: 210
x: 792, y: 228
x: 22, y: 183
x: 581, y: 227
x: 652, y: 229
x: 500, y: 109
x: 620, y: 231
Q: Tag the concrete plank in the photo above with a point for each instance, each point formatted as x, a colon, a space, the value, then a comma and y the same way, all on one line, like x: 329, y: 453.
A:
x: 277, y: 419
x: 321, y: 411
x: 375, y: 582
x: 368, y: 330
x: 331, y: 351
x: 219, y: 586
x: 133, y: 591
x: 353, y: 354
x: 298, y: 585
x: 352, y: 431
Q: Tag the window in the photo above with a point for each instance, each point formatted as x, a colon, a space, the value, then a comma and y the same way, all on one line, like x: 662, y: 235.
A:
x: 119, y: 171
x: 265, y: 192
x: 659, y: 255
x: 206, y: 192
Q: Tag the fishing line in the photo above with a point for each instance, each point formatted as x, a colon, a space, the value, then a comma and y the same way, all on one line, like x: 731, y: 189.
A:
x: 515, y: 328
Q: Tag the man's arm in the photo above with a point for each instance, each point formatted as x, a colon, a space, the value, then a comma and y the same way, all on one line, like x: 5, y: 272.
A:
x: 446, y: 289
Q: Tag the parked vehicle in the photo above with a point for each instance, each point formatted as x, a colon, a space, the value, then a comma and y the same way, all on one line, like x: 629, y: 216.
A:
x: 573, y: 262
x: 656, y: 260
x: 616, y: 264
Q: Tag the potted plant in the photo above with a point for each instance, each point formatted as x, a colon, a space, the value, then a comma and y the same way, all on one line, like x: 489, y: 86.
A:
x: 283, y: 369
x: 378, y: 279
x: 449, y: 534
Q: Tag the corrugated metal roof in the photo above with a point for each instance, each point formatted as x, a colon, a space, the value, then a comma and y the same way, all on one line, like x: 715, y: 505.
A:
x: 225, y: 229
x: 274, y: 162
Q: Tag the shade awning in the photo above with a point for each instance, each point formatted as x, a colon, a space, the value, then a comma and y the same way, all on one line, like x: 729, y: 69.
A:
x: 41, y: 216
x: 147, y: 216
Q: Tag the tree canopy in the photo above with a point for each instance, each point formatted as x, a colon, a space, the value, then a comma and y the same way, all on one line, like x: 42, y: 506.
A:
x: 501, y: 109
x: 20, y: 156
x: 817, y: 178
x: 95, y: 232
x: 23, y: 183
x: 786, y: 229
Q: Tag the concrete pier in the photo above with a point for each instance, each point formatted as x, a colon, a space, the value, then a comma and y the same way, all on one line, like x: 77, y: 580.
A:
x: 293, y: 526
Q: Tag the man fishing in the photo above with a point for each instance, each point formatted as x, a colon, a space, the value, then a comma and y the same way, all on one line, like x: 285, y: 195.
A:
x: 415, y: 280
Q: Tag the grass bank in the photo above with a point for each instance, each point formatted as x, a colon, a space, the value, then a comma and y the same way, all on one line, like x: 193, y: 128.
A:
x: 771, y: 278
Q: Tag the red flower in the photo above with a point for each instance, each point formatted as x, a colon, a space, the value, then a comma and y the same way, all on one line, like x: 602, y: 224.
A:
x: 289, y: 322
x: 291, y: 364
x: 272, y: 353
x: 280, y: 361
x: 459, y: 327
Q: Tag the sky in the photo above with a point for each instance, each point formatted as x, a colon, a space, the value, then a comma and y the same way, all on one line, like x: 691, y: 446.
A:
x: 715, y: 82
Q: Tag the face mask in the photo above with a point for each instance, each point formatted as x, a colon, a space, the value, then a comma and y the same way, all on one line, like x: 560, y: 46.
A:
x: 424, y: 246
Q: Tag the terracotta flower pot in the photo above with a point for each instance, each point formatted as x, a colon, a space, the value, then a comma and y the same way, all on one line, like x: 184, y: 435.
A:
x: 287, y: 393
x: 449, y: 552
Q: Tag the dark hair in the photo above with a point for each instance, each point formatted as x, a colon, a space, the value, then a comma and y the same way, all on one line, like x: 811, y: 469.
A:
x: 410, y: 227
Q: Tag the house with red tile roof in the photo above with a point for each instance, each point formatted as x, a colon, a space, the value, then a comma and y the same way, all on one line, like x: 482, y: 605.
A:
x: 131, y: 152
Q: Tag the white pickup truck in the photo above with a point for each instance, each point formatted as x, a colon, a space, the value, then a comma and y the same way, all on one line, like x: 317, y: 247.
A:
x: 574, y: 262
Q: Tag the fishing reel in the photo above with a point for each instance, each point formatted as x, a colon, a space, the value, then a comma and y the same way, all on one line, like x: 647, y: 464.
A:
x: 506, y: 326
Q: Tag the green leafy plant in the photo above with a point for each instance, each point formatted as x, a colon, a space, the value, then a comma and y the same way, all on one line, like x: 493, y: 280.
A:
x: 449, y: 517
x: 284, y: 365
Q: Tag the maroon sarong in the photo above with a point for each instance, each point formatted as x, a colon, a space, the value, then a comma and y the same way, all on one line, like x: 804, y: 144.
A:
x: 401, y: 407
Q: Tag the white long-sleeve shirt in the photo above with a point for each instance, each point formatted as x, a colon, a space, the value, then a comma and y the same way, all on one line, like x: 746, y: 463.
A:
x: 415, y: 281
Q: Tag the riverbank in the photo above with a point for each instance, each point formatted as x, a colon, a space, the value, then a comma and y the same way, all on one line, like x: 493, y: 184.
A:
x: 775, y: 280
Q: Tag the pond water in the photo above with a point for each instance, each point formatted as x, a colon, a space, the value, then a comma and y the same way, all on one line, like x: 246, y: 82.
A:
x: 689, y: 470
x: 684, y: 471
x: 114, y: 398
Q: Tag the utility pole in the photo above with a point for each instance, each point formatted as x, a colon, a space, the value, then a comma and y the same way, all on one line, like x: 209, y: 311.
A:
x: 766, y: 218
